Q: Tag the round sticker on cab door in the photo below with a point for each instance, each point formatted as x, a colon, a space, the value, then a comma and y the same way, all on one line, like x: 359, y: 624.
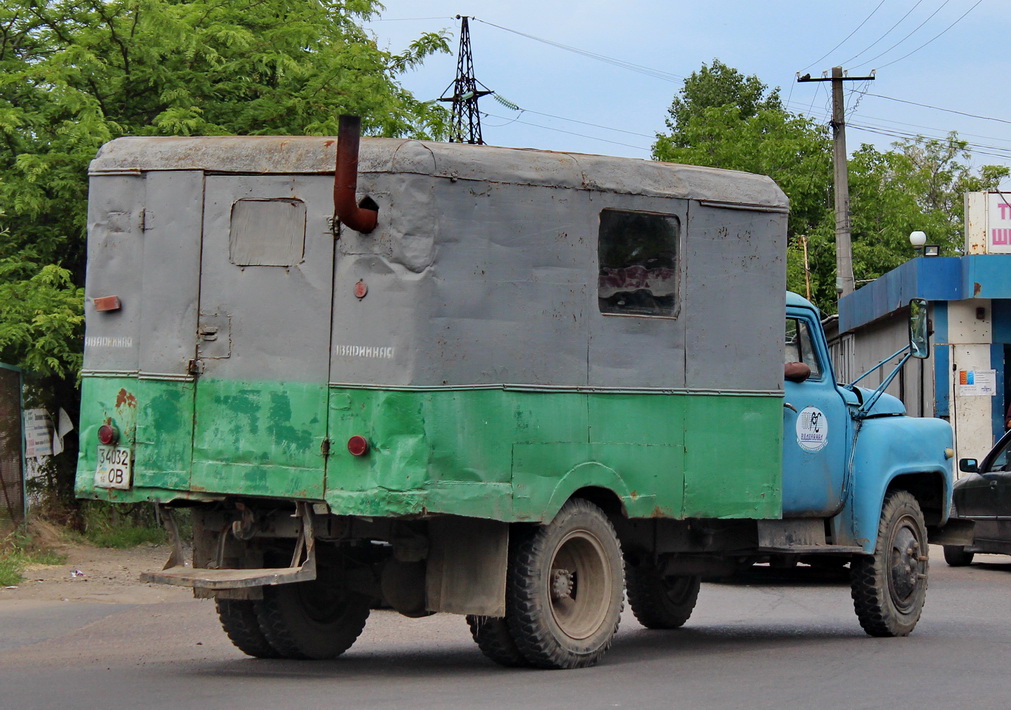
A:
x: 812, y: 429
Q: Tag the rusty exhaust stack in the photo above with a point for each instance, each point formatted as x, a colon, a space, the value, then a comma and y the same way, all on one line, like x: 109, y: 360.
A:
x: 345, y: 183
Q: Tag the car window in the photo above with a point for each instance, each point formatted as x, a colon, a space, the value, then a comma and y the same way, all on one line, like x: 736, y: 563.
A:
x: 1000, y: 461
x: 799, y: 346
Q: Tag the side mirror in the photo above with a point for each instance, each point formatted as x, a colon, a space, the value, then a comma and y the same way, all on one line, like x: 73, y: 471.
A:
x: 968, y: 465
x: 919, y: 335
x: 796, y: 371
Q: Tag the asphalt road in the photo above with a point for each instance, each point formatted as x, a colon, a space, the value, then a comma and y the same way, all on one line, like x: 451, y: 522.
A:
x: 789, y: 641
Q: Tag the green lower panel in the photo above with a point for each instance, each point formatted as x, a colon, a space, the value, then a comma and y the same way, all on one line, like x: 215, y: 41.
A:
x: 261, y: 439
x: 513, y: 455
x: 503, y: 455
x: 154, y: 417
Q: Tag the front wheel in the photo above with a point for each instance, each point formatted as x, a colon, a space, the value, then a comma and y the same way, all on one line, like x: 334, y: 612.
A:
x: 889, y: 587
x: 565, y: 588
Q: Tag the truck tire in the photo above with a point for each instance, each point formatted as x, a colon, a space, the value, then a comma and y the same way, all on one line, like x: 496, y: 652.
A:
x: 889, y: 587
x: 660, y: 602
x: 238, y: 619
x: 493, y: 638
x: 565, y: 589
x: 311, y: 620
x: 956, y: 556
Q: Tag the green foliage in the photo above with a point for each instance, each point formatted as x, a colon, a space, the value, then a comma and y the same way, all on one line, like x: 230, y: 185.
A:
x: 108, y: 525
x: 919, y: 185
x: 76, y: 73
x: 18, y: 550
x: 41, y: 315
x: 718, y: 86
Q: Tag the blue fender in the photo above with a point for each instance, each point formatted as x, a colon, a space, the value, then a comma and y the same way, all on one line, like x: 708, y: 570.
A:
x: 909, y: 452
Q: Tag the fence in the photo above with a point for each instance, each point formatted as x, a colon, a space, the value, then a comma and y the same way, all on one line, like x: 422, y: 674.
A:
x: 12, y: 471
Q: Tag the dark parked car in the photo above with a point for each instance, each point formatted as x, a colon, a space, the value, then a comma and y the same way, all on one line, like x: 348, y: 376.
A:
x: 984, y: 496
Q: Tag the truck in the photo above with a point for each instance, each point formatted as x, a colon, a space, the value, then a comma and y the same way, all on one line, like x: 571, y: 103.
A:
x: 508, y: 384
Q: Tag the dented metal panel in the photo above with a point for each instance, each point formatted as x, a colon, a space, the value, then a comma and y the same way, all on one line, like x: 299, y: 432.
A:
x: 463, y: 337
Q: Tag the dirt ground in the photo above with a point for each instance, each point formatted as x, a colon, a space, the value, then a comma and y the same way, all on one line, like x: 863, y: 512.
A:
x: 94, y: 574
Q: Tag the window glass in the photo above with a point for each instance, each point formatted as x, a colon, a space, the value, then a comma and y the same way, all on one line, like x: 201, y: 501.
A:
x: 1000, y: 461
x: 637, y: 253
x: 267, y: 232
x: 799, y: 346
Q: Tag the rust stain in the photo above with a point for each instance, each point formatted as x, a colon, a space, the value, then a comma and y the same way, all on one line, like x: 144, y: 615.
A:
x: 126, y: 398
x: 976, y: 288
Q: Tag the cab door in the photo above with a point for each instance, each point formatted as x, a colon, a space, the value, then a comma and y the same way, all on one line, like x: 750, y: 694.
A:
x: 816, y: 425
x: 263, y: 333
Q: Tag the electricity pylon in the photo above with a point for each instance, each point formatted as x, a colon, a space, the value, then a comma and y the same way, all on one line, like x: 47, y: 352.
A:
x: 466, y: 91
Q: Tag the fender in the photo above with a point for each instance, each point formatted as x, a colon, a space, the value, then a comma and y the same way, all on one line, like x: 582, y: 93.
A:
x: 901, y: 452
x: 590, y: 475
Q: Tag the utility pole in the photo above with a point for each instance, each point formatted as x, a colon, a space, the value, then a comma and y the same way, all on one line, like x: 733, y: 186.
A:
x: 843, y: 247
x: 466, y: 92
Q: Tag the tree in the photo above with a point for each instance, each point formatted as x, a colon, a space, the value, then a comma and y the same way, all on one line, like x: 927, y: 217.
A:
x: 918, y: 185
x: 724, y: 119
x: 717, y: 86
x: 77, y: 73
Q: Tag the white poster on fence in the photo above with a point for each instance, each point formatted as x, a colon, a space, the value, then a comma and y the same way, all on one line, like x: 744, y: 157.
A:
x: 38, y: 433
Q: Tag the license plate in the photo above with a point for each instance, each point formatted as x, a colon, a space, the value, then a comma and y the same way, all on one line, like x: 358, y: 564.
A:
x: 114, y: 467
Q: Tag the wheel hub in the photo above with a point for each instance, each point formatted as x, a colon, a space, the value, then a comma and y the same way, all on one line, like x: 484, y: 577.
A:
x: 906, y: 567
x: 562, y: 584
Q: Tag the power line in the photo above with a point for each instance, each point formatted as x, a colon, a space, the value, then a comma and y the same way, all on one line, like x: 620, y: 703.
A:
x: 818, y: 60
x: 915, y: 30
x: 888, y: 32
x: 938, y: 108
x: 571, y: 133
x: 638, y: 68
x: 945, y: 30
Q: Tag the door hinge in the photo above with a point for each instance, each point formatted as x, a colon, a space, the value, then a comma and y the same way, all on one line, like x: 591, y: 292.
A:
x: 324, y: 448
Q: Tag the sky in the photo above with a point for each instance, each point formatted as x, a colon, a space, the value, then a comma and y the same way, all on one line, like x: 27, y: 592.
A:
x: 598, y: 76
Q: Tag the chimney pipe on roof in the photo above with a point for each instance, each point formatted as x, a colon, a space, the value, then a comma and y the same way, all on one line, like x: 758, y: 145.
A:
x: 345, y: 185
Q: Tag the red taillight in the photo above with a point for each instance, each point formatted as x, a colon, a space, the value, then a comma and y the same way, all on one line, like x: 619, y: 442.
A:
x: 107, y: 434
x: 358, y: 445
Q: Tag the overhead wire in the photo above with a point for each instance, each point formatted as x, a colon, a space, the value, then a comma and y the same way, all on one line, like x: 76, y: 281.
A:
x: 829, y: 52
x: 887, y: 32
x: 639, y: 68
x: 914, y: 31
x: 945, y: 30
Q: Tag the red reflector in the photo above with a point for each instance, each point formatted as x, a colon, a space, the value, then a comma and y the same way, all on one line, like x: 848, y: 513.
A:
x: 358, y: 445
x: 107, y: 303
x: 108, y: 435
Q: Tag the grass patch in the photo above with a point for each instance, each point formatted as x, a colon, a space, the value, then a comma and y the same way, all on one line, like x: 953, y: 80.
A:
x: 20, y: 549
x: 121, y: 526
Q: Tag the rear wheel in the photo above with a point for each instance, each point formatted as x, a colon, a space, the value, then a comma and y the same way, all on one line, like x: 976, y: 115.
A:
x: 311, y: 619
x: 238, y: 619
x: 956, y: 556
x: 565, y: 589
x: 493, y: 638
x: 890, y: 586
x: 660, y: 602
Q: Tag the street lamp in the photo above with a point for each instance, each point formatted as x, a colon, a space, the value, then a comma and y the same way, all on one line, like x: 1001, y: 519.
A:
x: 918, y: 239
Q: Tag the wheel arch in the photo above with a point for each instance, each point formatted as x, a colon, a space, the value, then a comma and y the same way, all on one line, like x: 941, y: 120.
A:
x: 594, y: 482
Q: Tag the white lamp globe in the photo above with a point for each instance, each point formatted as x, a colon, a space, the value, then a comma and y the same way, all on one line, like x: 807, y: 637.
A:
x: 917, y: 238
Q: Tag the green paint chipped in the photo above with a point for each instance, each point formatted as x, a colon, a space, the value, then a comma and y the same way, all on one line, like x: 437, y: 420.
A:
x: 504, y: 455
